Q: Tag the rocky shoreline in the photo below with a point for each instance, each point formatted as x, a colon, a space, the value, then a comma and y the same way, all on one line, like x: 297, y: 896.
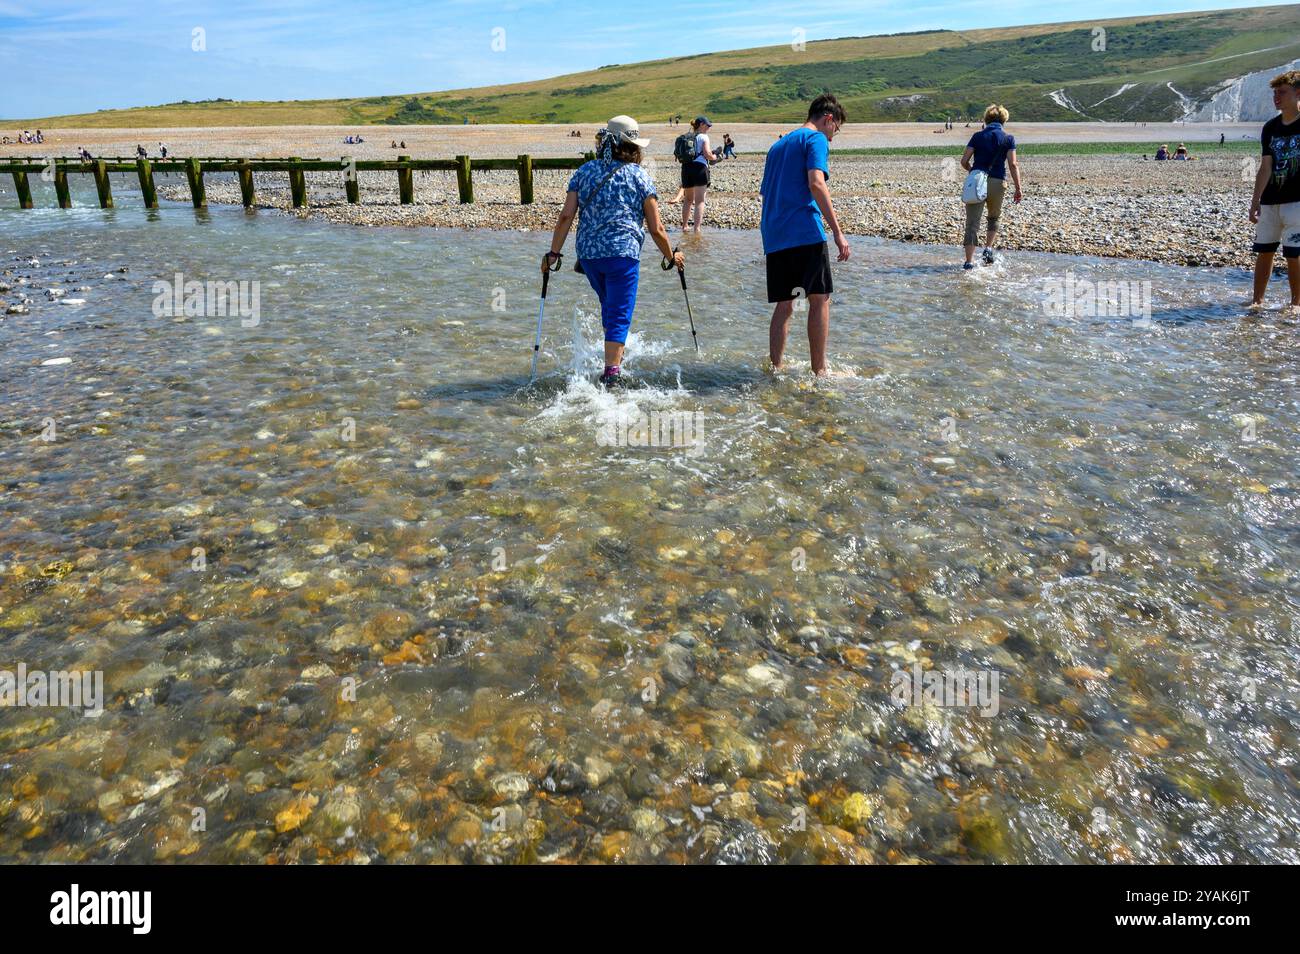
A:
x: 1184, y: 213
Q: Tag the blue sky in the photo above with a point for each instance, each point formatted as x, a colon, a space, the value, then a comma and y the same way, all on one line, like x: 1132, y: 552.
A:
x: 68, y: 56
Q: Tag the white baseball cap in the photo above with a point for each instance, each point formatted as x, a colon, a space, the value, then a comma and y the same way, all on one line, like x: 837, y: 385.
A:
x: 625, y: 128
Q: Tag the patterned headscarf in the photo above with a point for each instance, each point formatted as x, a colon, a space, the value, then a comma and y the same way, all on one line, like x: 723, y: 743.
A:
x: 606, y: 148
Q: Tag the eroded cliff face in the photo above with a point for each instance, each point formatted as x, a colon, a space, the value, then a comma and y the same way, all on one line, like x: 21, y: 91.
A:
x: 1244, y: 99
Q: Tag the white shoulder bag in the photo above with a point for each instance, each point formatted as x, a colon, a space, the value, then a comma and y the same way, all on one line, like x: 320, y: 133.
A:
x: 976, y: 187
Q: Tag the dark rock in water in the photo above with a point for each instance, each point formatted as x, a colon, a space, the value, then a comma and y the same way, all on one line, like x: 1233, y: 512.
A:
x: 176, y: 692
x: 301, y: 693
x: 472, y: 788
x: 65, y: 828
x: 1167, y: 791
x: 744, y: 844
x: 770, y: 807
x: 564, y: 777
x: 607, y: 806
x: 641, y: 783
x: 678, y: 665
x: 721, y: 767
x: 737, y: 634
x: 775, y: 711
x: 931, y: 604
x: 1016, y: 644
x: 614, y: 548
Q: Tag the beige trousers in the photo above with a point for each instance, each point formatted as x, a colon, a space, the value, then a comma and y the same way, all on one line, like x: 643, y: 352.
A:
x: 997, y: 189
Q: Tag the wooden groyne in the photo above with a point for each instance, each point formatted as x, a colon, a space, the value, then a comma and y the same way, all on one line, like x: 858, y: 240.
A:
x: 196, y: 168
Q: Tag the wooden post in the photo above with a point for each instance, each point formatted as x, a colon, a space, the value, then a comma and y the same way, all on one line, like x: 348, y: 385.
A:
x: 61, y: 186
x: 246, y: 183
x: 297, y: 185
x: 24, y: 190
x: 102, y: 185
x: 351, y: 180
x: 464, y: 179
x: 526, y: 180
x: 145, y: 171
x: 406, y: 182
x: 194, y: 172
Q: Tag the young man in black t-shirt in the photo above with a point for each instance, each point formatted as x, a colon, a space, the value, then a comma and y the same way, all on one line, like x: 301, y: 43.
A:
x: 1275, y: 207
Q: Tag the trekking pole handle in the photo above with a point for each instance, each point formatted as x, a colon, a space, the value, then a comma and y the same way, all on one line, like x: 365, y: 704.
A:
x: 552, y: 260
x: 667, y: 263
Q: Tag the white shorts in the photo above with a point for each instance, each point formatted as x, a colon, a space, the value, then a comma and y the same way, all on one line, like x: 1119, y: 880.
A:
x: 1279, y: 225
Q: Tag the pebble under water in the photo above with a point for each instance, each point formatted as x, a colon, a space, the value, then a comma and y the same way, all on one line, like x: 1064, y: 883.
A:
x: 360, y: 593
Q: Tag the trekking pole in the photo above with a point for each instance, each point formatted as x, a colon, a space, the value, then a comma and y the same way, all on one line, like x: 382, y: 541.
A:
x: 537, y: 342
x: 666, y: 264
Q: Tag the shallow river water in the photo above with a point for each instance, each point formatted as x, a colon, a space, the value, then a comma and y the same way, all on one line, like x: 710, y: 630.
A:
x: 358, y: 592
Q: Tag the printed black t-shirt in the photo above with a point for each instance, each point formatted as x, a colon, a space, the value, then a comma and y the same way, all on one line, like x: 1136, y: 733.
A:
x: 1282, y: 141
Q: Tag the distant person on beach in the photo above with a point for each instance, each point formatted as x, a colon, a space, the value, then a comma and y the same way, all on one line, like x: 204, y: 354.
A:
x: 614, y: 195
x: 1275, y: 205
x: 1181, y: 152
x: 992, y: 153
x: 1221, y: 138
x: 162, y: 150
x: 695, y: 154
x: 728, y: 146
x: 1162, y: 153
x: 795, y: 201
x: 140, y: 152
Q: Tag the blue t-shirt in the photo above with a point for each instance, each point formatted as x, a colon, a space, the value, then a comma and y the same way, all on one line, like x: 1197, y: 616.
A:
x: 610, y: 223
x: 991, y: 145
x: 790, y: 215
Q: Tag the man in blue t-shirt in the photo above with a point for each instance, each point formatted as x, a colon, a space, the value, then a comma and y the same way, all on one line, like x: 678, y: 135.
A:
x: 795, y: 199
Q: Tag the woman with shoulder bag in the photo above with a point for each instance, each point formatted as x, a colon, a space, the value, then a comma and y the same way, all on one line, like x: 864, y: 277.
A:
x: 989, y: 155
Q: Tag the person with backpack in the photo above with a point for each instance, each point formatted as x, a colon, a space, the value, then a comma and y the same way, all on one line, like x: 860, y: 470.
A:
x: 692, y: 150
x: 988, y: 156
x: 611, y: 196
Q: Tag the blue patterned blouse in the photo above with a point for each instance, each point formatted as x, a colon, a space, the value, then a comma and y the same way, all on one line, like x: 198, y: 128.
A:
x: 610, y: 220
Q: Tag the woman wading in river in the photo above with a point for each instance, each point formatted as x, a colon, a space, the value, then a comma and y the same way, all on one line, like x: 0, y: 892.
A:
x: 614, y: 196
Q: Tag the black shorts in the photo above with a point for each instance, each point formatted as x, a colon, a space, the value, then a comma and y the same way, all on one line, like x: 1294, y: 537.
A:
x: 806, y: 267
x: 694, y: 174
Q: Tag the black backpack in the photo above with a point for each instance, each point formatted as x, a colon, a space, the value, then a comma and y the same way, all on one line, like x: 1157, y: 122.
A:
x: 684, y: 147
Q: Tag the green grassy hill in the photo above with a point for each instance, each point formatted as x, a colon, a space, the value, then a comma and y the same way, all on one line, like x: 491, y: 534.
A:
x: 1050, y: 72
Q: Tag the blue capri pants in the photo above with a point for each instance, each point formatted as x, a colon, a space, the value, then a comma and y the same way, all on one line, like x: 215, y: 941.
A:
x: 614, y: 280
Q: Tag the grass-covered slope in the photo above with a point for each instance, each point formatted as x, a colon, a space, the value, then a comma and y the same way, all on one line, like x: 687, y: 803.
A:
x: 1149, y: 69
